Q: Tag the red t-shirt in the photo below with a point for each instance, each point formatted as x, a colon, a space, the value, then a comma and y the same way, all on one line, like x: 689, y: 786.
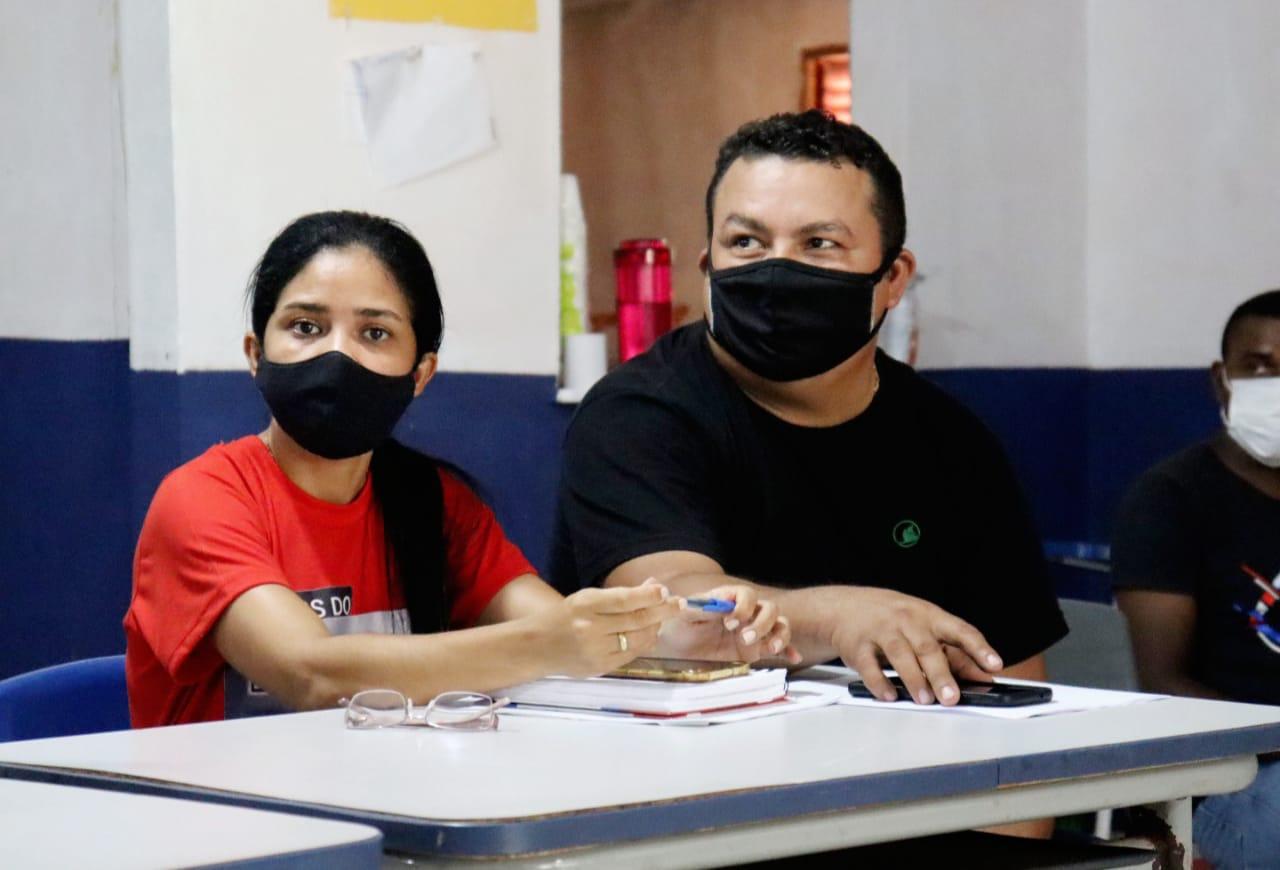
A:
x: 230, y: 520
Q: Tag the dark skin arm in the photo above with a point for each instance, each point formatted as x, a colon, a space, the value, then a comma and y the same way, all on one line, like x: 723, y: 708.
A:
x: 1162, y: 626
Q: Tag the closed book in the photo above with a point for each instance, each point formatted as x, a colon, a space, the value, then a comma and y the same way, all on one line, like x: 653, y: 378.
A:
x: 652, y: 697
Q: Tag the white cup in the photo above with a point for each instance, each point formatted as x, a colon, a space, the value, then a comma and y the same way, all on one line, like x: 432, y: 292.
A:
x: 585, y: 360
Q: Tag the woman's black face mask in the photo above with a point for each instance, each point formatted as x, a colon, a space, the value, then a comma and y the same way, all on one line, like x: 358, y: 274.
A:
x: 786, y: 320
x: 331, y: 405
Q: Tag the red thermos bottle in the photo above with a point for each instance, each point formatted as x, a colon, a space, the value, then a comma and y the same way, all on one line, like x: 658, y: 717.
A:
x: 643, y: 269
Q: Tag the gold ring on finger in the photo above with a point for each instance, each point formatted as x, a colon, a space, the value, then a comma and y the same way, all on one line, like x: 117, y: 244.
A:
x: 622, y: 641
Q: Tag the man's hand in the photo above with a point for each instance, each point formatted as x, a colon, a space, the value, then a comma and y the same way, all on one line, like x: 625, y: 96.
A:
x: 753, y: 630
x: 927, y: 646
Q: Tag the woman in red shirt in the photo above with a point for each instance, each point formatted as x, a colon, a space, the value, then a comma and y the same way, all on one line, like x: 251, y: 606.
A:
x: 292, y: 568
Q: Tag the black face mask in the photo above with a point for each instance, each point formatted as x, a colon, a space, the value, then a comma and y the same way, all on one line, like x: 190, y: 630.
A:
x: 786, y: 320
x: 333, y: 406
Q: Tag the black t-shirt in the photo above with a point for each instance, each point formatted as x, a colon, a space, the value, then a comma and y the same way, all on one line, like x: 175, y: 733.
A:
x: 914, y: 494
x: 1191, y: 526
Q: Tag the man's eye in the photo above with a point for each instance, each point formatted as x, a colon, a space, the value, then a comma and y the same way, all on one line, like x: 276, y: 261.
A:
x: 305, y: 327
x: 743, y: 242
x: 821, y: 244
x: 377, y: 333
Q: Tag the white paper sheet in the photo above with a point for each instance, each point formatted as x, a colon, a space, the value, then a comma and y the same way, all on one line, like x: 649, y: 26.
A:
x: 1066, y: 699
x: 352, y: 106
x: 422, y: 108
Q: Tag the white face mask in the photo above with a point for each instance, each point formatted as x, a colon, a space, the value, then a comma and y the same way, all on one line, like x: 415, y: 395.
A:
x: 1253, y: 418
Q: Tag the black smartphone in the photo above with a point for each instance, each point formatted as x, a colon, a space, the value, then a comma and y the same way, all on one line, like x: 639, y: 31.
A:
x: 973, y: 693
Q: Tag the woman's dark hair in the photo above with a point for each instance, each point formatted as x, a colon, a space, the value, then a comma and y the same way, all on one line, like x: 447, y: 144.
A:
x: 397, y: 250
x: 405, y: 482
x: 407, y: 487
x: 816, y: 135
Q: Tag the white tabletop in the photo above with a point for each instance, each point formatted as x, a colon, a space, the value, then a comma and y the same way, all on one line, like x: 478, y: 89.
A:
x: 532, y: 771
x: 62, y: 826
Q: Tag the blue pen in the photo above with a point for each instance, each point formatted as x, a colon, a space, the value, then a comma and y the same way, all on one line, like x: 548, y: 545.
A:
x: 711, y: 605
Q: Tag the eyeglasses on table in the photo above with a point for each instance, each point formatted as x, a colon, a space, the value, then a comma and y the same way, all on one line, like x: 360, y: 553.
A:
x: 450, y: 711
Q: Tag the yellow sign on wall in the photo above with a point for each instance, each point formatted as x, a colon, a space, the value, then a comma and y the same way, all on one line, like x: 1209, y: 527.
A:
x: 482, y: 14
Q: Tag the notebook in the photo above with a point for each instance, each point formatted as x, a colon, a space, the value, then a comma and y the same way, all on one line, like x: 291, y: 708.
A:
x: 652, y: 697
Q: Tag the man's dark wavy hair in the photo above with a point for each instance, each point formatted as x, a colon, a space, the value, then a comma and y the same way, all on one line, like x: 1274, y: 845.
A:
x: 1263, y: 305
x: 816, y: 135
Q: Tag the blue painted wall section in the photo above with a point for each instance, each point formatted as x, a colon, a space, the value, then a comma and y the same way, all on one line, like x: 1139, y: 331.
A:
x: 65, y: 532
x: 506, y: 432
x: 1040, y: 416
x: 1078, y: 438
x: 1137, y: 416
x: 84, y: 442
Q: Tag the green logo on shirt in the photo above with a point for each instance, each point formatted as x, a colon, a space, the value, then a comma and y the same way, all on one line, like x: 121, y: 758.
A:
x: 906, y: 534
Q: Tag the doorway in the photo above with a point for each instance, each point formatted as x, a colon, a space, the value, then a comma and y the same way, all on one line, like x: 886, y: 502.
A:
x: 649, y: 90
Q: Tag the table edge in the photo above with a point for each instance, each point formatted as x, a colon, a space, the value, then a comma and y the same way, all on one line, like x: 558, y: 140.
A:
x: 507, y: 837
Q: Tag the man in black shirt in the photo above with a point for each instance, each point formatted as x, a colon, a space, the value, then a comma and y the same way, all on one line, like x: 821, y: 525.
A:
x: 1196, y: 563
x: 772, y: 442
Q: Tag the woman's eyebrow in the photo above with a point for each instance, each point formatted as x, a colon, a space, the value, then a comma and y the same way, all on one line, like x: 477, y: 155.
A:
x: 310, y: 307
x: 379, y: 312
x: 319, y: 308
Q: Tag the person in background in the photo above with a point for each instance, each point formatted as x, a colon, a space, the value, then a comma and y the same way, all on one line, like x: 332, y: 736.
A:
x: 1196, y: 565
x: 318, y: 558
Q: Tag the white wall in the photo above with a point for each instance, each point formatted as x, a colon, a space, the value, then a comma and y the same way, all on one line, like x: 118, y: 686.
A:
x: 147, y: 118
x: 258, y: 138
x: 1184, y: 174
x: 63, y: 263
x: 981, y: 104
x: 1089, y: 183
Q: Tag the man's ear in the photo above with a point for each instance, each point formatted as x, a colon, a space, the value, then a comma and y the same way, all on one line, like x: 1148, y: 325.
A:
x: 252, y: 352
x: 703, y: 262
x: 898, y: 278
x: 1218, y: 380
x: 424, y: 372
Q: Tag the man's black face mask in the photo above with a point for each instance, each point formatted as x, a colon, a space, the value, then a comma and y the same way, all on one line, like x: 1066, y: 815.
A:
x: 333, y: 406
x: 786, y: 320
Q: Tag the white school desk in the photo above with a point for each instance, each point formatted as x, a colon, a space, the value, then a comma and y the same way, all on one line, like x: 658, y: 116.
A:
x: 637, y: 795
x: 60, y: 826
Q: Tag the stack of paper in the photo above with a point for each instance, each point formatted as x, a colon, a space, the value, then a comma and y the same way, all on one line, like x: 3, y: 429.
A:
x: 652, y: 697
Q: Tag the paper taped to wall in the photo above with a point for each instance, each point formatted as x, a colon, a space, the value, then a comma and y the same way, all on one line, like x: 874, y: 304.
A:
x: 422, y: 108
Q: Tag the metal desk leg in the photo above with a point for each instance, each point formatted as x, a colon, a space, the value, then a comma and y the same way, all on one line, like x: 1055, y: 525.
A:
x: 1166, y: 826
x: 1177, y: 814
